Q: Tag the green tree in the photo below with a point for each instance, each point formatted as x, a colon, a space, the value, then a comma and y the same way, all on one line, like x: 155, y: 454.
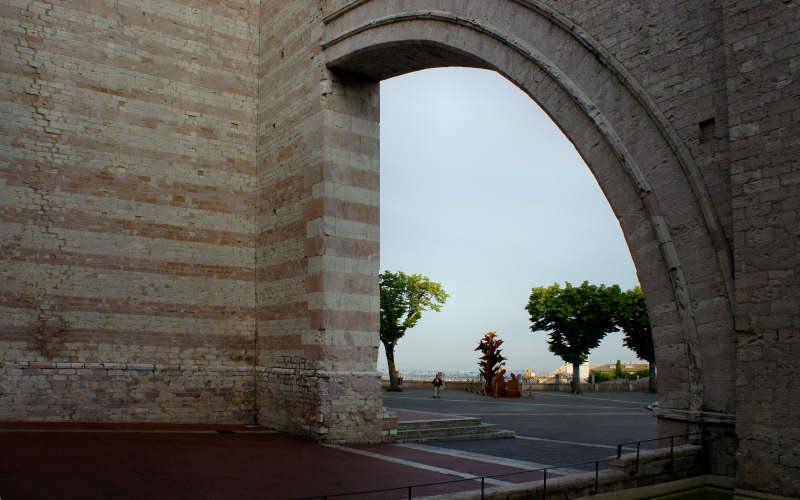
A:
x: 492, y: 361
x: 633, y: 320
x: 576, y: 319
x: 618, y: 370
x: 403, y: 299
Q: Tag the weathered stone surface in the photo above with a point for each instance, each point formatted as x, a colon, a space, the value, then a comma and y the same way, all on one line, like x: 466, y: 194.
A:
x: 189, y: 201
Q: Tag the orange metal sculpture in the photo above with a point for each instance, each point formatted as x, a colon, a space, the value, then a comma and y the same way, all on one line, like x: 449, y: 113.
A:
x: 491, y: 362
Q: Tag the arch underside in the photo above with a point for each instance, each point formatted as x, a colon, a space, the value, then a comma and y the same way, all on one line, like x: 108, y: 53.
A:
x: 393, y: 59
x: 645, y: 172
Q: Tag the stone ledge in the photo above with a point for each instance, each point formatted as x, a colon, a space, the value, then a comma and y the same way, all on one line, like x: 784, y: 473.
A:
x: 653, y: 469
x: 668, y: 488
x: 743, y: 494
x: 707, y: 417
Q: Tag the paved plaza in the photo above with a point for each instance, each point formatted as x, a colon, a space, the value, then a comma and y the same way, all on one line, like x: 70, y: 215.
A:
x: 551, y: 428
x: 131, y: 461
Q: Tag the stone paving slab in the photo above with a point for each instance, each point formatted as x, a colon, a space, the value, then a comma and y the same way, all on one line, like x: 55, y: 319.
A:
x: 471, y: 466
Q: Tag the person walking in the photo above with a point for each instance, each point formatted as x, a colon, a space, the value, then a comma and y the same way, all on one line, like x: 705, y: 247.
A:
x: 437, y: 385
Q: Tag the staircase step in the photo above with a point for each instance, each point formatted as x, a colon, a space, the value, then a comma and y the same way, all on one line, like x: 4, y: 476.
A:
x: 454, y: 429
x: 446, y: 431
x: 456, y: 437
x: 429, y: 424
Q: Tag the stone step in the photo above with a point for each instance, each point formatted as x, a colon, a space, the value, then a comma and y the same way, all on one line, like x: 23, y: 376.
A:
x: 501, y: 434
x: 447, y: 431
x: 429, y: 424
x: 438, y: 430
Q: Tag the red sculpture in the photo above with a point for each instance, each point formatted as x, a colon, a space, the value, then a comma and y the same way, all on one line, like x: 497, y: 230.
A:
x: 512, y: 388
x: 491, y: 363
x: 499, y: 389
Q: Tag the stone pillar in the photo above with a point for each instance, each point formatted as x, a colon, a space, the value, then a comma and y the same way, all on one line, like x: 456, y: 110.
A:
x: 317, y: 256
x: 761, y: 49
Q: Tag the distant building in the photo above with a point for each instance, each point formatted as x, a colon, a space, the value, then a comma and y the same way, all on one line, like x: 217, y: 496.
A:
x: 566, y: 370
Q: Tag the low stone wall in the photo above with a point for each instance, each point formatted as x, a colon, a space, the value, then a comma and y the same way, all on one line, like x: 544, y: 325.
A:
x: 126, y: 392
x: 528, y: 389
x: 604, y: 387
x: 655, y: 466
x: 426, y: 384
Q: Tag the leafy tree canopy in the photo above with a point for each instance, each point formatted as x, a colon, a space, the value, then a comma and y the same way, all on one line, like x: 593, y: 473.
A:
x: 403, y: 299
x: 576, y: 318
x: 633, y: 320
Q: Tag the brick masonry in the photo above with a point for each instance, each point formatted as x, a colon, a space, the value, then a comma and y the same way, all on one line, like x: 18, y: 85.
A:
x: 127, y: 210
x: 189, y: 201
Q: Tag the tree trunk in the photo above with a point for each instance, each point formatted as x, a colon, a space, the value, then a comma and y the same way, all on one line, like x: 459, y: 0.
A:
x: 393, y: 385
x: 652, y: 374
x: 576, y: 378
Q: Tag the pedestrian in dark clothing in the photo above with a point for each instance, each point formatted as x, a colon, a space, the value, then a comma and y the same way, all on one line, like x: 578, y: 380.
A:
x: 437, y: 385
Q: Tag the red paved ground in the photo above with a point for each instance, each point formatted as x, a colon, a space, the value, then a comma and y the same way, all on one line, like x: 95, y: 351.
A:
x: 137, y: 461
x: 130, y: 464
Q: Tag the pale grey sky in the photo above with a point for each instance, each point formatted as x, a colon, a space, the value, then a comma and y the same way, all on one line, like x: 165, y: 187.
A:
x: 482, y: 192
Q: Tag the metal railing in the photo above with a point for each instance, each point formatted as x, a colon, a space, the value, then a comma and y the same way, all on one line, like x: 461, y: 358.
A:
x: 408, y: 489
x: 639, y: 445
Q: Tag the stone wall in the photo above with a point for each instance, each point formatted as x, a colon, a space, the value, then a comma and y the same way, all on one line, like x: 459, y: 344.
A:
x: 189, y: 200
x: 127, y: 197
x: 763, y: 71
x: 318, y: 247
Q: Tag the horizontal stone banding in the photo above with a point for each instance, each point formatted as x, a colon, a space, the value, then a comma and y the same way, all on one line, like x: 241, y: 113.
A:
x: 281, y: 192
x: 82, y: 221
x: 96, y: 337
x: 344, y: 320
x: 282, y: 311
x: 129, y: 187
x: 93, y: 261
x: 346, y: 176
x: 342, y: 247
x: 277, y: 342
x: 347, y: 210
x: 126, y: 306
x: 215, y: 79
x: 292, y: 230
x: 341, y: 282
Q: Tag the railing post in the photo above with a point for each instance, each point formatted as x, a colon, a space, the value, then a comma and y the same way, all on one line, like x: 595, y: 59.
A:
x: 409, y: 493
x: 619, y: 450
x: 544, y: 489
x: 638, y: 445
x: 672, y: 451
x: 482, y: 486
x: 596, y: 477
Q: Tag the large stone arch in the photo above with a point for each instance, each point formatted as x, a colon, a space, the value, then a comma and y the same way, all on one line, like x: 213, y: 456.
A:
x: 643, y: 167
x: 158, y: 154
